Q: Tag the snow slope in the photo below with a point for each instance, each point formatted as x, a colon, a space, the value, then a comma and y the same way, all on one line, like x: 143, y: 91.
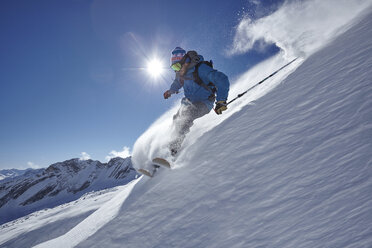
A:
x: 291, y: 170
x: 46, y: 224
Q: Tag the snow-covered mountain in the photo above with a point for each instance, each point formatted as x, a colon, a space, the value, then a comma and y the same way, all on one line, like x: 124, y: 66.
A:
x: 60, y: 183
x: 11, y: 173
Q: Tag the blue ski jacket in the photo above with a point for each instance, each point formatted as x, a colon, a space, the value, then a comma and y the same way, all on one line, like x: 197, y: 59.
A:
x: 197, y: 93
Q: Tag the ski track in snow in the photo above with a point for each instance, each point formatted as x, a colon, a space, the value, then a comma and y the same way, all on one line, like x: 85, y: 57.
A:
x: 291, y: 170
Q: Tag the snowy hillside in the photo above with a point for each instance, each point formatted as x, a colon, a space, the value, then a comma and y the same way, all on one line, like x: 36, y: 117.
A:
x: 60, y: 183
x: 288, y: 165
x: 50, y: 223
x: 291, y: 170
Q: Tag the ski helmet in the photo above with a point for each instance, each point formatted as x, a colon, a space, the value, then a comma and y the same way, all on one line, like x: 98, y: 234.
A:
x: 177, y: 55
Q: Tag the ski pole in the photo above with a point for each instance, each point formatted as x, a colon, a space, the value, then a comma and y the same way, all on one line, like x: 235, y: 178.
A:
x: 263, y: 80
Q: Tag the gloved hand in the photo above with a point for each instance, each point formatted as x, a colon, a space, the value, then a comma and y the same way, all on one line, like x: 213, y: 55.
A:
x: 220, y: 106
x: 167, y: 94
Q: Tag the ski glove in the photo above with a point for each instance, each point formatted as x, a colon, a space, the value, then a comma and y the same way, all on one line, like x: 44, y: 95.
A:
x: 220, y: 106
x: 167, y: 94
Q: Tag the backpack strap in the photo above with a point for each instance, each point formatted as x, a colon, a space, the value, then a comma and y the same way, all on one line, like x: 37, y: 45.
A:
x: 191, y: 59
x: 210, y: 87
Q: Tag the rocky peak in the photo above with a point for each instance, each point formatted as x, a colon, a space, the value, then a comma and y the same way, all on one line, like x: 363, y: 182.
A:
x: 61, y: 182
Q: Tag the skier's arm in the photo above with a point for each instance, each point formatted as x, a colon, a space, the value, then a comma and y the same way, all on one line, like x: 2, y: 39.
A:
x: 221, y: 81
x: 176, y: 85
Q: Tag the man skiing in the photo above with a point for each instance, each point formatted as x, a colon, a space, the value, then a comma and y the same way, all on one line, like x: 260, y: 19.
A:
x: 202, y: 86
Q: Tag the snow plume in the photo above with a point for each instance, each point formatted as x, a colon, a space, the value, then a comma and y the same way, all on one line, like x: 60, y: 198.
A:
x: 123, y: 154
x: 298, y: 27
x: 154, y: 142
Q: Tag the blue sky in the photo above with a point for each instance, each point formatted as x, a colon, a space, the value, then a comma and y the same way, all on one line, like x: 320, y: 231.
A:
x: 71, y: 77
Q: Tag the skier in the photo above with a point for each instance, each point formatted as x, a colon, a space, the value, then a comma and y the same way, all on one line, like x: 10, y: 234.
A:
x: 202, y: 86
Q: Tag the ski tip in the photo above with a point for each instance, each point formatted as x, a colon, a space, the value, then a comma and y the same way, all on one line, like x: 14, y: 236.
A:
x: 161, y: 162
x: 145, y: 172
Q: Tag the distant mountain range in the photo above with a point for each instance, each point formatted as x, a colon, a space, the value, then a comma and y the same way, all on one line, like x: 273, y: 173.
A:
x: 11, y: 173
x: 25, y: 191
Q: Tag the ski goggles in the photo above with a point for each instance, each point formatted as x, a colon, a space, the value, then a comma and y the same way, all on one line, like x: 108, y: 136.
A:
x: 176, y: 67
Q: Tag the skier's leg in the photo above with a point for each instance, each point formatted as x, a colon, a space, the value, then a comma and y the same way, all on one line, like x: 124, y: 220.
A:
x: 183, y: 121
x: 179, y: 128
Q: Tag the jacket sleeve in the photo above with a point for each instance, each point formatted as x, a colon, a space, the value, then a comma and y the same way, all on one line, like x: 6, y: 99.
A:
x: 221, y: 81
x: 176, y: 85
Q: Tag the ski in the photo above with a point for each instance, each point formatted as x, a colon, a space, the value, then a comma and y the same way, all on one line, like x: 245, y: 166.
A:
x: 145, y: 172
x: 148, y: 172
x: 157, y: 163
x: 162, y: 162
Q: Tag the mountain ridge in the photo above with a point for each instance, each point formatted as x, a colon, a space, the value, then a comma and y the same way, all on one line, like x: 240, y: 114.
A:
x: 59, y: 183
x: 12, y: 173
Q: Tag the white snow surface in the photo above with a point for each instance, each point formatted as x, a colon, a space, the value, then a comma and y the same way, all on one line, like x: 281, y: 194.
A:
x: 288, y: 165
x: 50, y: 223
x: 92, y: 223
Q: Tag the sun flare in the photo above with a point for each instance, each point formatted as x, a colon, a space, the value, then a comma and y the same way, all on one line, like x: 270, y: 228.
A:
x: 155, y: 68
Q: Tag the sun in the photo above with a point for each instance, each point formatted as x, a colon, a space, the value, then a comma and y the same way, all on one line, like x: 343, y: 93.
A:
x: 155, y: 67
